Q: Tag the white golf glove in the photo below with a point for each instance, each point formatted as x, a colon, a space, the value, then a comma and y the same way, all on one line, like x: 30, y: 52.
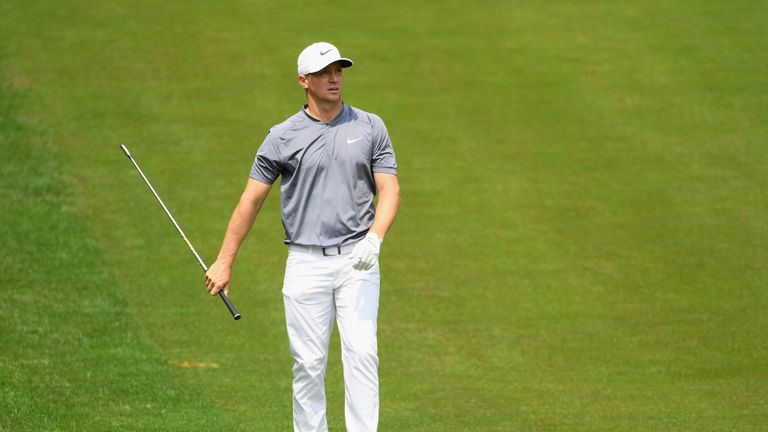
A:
x: 366, y: 252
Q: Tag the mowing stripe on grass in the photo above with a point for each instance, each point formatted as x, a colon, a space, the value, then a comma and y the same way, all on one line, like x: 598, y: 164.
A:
x: 71, y: 355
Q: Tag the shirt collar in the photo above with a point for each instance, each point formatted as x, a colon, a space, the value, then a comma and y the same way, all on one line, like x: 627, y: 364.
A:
x: 337, y: 119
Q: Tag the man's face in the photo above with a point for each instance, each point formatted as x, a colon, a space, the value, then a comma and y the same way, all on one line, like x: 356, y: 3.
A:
x: 326, y: 84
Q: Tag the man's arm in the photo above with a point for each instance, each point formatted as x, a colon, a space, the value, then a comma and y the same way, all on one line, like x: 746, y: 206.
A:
x: 366, y: 251
x: 389, y: 203
x: 218, y: 275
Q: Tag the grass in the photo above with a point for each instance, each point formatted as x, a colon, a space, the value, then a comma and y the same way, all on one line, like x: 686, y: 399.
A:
x: 580, y: 247
x: 73, y: 357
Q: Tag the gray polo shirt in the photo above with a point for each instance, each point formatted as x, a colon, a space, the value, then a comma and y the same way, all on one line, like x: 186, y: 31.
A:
x: 326, y: 172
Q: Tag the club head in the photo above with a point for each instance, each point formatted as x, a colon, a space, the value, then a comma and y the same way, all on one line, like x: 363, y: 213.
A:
x: 125, y: 150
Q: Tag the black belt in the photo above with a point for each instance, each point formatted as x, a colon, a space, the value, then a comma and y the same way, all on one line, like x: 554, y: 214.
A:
x: 324, y: 251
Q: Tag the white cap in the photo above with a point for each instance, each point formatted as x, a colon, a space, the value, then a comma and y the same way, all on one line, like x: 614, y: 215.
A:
x: 319, y: 55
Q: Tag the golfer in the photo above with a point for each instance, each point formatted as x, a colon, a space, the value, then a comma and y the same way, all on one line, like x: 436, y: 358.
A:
x: 332, y: 160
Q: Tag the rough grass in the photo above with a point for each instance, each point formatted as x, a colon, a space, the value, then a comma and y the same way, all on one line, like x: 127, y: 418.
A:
x: 73, y: 357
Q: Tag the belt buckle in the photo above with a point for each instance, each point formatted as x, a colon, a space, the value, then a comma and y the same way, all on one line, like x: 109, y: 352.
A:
x: 338, y: 251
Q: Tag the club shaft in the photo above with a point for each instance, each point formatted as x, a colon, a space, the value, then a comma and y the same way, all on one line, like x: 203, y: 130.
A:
x: 200, y: 261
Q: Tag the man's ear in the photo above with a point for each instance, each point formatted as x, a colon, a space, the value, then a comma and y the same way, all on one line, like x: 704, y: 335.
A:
x: 304, y: 81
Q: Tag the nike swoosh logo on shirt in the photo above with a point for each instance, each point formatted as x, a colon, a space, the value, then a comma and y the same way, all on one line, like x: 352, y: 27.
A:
x: 324, y: 53
x: 350, y: 141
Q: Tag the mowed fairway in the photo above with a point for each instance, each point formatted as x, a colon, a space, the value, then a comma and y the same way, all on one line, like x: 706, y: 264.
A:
x: 581, y: 244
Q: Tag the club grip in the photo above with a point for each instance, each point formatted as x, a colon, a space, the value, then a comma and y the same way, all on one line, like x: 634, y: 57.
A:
x: 232, y: 310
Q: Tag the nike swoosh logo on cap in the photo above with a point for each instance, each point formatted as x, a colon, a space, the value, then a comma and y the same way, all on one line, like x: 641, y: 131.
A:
x: 324, y: 53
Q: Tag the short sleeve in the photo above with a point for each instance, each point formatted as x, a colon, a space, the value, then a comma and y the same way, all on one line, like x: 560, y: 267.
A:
x: 383, y: 159
x: 266, y: 166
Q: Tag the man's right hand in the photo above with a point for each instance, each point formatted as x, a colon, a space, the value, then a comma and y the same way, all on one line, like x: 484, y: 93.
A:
x: 217, y: 277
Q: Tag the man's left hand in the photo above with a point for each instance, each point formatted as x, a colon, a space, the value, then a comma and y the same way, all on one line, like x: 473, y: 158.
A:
x: 366, y: 252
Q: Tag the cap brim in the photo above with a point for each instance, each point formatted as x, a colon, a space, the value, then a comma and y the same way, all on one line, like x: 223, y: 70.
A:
x: 345, y: 63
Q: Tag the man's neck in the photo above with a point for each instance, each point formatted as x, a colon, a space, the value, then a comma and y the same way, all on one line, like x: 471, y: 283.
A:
x: 324, y: 112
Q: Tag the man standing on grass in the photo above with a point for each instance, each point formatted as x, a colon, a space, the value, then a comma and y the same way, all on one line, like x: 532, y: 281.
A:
x: 333, y: 159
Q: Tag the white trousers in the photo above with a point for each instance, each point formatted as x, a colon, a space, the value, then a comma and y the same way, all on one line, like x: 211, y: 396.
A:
x: 317, y: 289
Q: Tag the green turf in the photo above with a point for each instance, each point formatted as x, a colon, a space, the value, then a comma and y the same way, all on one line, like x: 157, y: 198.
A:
x: 581, y: 244
x: 73, y: 356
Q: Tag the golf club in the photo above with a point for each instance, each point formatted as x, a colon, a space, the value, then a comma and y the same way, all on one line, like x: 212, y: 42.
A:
x: 222, y: 294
